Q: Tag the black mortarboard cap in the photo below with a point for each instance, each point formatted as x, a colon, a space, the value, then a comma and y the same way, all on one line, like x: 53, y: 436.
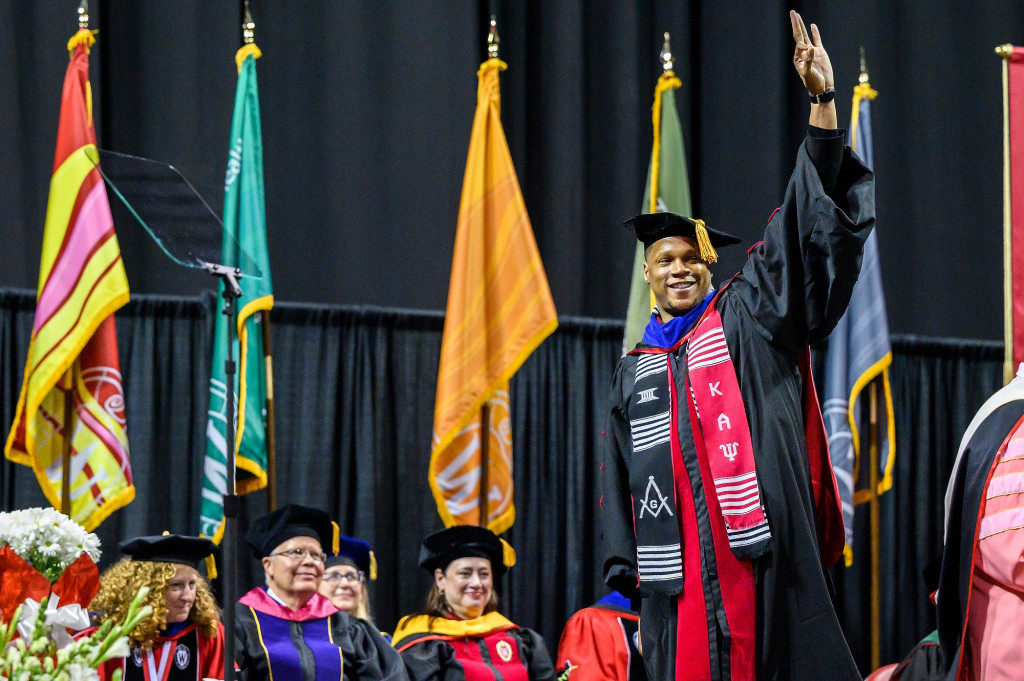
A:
x: 650, y: 227
x: 291, y: 520
x: 168, y: 548
x: 460, y: 541
x: 356, y: 552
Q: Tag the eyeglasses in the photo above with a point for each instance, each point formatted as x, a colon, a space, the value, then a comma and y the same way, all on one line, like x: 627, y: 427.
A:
x: 300, y: 555
x: 350, y: 577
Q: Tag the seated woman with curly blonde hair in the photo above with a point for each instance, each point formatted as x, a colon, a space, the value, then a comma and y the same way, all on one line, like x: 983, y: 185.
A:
x: 183, y: 638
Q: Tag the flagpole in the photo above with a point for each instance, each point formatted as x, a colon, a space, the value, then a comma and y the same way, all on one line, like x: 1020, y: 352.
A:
x: 69, y: 431
x: 1004, y: 52
x: 875, y: 524
x: 69, y: 392
x: 485, y: 411
x: 271, y: 453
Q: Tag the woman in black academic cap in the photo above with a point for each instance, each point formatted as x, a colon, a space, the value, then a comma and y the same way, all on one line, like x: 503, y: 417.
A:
x: 183, y: 638
x: 461, y: 635
x: 286, y: 629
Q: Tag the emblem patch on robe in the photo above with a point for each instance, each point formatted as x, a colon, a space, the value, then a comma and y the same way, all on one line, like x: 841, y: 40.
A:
x: 182, y: 656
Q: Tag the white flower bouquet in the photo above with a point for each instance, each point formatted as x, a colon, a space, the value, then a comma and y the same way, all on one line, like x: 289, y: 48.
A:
x: 47, y: 539
x: 46, y: 558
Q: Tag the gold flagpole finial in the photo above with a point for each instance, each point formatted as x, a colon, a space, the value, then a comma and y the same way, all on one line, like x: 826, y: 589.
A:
x: 1005, y: 50
x: 248, y: 27
x: 667, y: 60
x: 493, y: 40
x: 83, y: 14
x: 863, y: 67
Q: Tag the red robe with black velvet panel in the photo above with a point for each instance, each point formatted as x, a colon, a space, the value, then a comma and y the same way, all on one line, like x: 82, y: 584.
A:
x: 487, y: 648
x: 186, y: 655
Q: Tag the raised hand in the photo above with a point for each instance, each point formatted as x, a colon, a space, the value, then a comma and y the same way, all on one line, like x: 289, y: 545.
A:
x: 810, y: 58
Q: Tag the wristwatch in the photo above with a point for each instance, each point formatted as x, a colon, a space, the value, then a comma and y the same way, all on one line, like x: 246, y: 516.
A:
x: 823, y: 97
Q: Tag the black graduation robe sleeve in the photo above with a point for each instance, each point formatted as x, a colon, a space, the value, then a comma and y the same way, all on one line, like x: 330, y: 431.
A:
x: 367, y: 654
x: 616, y: 501
x: 797, y: 283
x: 431, y: 661
x: 535, y: 654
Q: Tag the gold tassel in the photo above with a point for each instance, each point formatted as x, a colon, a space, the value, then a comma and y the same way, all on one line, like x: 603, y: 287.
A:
x: 211, y: 567
x: 508, y: 554
x: 707, y: 251
x: 83, y: 37
x: 373, y: 566
x: 335, y: 541
x: 244, y: 51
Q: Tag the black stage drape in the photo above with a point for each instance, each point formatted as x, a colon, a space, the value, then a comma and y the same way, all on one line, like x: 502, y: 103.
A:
x: 354, y: 391
x: 366, y: 110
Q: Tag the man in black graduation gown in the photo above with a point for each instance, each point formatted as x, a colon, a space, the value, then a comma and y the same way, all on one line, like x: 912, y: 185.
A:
x: 719, y: 505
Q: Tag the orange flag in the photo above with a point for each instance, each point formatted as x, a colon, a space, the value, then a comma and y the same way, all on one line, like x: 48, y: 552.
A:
x: 499, y: 310
x: 74, y: 344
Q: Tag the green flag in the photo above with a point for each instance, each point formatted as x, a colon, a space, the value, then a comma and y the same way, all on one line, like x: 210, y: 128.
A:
x: 673, y: 195
x: 245, y: 230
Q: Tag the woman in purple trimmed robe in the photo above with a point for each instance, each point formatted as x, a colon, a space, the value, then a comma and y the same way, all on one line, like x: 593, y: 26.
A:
x: 287, y: 630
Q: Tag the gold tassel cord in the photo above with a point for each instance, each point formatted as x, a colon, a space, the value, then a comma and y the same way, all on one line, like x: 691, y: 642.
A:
x: 707, y: 251
x: 373, y: 567
x: 211, y: 567
x: 83, y: 37
x: 244, y: 51
x: 667, y: 81
x: 335, y: 538
x: 860, y: 91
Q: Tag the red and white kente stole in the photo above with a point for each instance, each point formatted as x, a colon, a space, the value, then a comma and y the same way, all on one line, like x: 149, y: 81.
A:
x: 726, y: 432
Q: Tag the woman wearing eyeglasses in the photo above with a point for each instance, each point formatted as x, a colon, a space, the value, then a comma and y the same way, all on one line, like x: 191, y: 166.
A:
x: 287, y: 629
x: 345, y: 576
x: 461, y: 636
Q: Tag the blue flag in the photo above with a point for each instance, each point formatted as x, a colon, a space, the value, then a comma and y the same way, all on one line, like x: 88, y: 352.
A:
x: 858, y: 352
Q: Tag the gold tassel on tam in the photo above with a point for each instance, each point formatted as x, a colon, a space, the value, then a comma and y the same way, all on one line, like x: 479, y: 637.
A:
x: 707, y: 251
x: 373, y: 567
x: 508, y: 554
x: 335, y: 541
x: 211, y: 567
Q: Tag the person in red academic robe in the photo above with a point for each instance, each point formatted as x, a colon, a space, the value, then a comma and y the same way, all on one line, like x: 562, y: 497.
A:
x: 600, y: 643
x: 461, y: 636
x: 183, y: 639
x: 980, y: 599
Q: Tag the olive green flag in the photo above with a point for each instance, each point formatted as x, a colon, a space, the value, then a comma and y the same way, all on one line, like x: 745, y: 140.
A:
x: 673, y: 195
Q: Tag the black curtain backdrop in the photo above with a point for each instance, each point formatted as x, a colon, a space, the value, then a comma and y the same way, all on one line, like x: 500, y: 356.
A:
x: 354, y: 391
x: 367, y: 108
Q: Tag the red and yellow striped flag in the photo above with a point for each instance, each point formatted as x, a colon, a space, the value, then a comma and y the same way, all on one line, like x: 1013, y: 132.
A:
x: 74, y: 344
x: 499, y: 311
